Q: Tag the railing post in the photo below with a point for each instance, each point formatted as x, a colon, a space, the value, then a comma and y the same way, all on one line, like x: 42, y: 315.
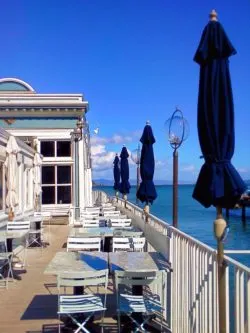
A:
x: 219, y: 228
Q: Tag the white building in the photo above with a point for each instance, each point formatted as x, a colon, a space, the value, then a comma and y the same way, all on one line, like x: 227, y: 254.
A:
x: 48, y: 120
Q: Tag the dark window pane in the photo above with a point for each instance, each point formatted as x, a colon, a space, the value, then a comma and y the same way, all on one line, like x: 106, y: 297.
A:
x: 64, y: 194
x: 63, y: 148
x: 48, y: 148
x: 48, y: 175
x: 48, y: 195
x: 64, y: 174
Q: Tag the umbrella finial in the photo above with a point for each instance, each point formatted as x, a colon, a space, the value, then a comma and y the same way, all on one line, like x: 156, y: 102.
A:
x: 213, y: 15
x: 147, y: 122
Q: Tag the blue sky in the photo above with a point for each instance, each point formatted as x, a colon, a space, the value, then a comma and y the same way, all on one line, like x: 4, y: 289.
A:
x: 133, y: 61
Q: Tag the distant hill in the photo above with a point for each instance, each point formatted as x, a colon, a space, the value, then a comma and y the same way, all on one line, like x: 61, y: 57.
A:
x: 108, y: 182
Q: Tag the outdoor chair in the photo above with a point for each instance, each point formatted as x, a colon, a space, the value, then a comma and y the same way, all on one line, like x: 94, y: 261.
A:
x: 5, y: 263
x: 147, y: 304
x: 84, y: 244
x: 90, y: 223
x: 21, y: 226
x: 75, y: 305
x: 36, y: 235
x: 92, y: 209
x: 120, y: 223
x: 138, y: 243
x: 89, y: 216
x: 112, y: 213
x: 121, y: 244
x: 47, y: 217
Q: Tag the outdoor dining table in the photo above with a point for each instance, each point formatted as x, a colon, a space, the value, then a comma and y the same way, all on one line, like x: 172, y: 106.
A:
x: 86, y: 261
x: 137, y: 262
x: 10, y: 235
x: 105, y: 232
x: 77, y: 262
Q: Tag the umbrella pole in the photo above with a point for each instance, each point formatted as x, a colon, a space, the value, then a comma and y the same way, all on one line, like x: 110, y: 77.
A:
x: 117, y: 195
x: 138, y: 181
x: 146, y: 212
x: 219, y: 227
x: 175, y: 188
x: 125, y: 199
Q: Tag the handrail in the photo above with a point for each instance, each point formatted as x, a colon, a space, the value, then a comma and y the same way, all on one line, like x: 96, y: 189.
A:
x: 193, y: 287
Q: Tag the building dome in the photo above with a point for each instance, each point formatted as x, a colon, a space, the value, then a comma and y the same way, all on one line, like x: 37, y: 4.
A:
x: 14, y: 85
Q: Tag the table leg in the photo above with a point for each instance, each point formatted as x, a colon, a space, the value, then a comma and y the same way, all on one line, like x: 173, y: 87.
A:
x: 9, y: 244
x: 107, y: 244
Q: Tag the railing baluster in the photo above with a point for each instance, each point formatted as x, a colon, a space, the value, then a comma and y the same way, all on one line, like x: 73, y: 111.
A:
x: 194, y: 296
x: 247, y: 324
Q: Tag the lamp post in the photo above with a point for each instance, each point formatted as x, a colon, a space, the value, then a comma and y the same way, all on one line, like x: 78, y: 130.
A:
x: 76, y: 136
x: 136, y: 157
x: 178, y: 130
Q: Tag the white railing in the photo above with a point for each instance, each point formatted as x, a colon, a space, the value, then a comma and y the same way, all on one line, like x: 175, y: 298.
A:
x: 193, y: 297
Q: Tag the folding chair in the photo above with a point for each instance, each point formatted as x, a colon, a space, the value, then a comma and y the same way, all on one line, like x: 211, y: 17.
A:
x: 21, y: 226
x: 146, y: 304
x: 121, y: 244
x: 84, y: 244
x: 36, y: 234
x: 5, y: 262
x: 120, y: 223
x: 114, y: 213
x: 89, y: 216
x: 90, y: 223
x: 92, y: 209
x: 138, y: 243
x: 47, y: 217
x: 73, y: 305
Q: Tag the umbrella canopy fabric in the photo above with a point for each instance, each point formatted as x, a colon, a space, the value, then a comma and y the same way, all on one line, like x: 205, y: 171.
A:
x: 10, y: 163
x: 219, y: 183
x: 37, y: 162
x: 117, y: 173
x: 124, y: 185
x: 146, y: 192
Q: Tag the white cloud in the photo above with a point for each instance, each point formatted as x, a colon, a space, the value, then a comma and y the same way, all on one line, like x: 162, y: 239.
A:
x: 116, y: 138
x: 187, y: 168
x: 243, y: 170
x: 97, y: 149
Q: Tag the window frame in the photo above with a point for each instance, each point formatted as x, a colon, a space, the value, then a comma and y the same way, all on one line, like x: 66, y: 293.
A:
x: 55, y: 157
x: 55, y: 184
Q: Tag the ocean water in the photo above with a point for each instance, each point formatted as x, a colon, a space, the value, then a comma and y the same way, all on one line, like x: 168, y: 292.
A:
x: 196, y: 220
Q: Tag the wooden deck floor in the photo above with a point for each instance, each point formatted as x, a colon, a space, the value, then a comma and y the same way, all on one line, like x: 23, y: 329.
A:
x: 30, y: 303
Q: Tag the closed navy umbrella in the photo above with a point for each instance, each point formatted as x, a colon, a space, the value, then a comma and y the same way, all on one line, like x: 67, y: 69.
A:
x: 146, y: 192
x: 117, y: 173
x: 219, y: 183
x: 124, y: 185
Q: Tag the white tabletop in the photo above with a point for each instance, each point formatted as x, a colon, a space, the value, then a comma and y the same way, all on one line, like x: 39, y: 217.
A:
x: 137, y: 261
x: 105, y: 232
x: 13, y: 234
x: 76, y: 262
